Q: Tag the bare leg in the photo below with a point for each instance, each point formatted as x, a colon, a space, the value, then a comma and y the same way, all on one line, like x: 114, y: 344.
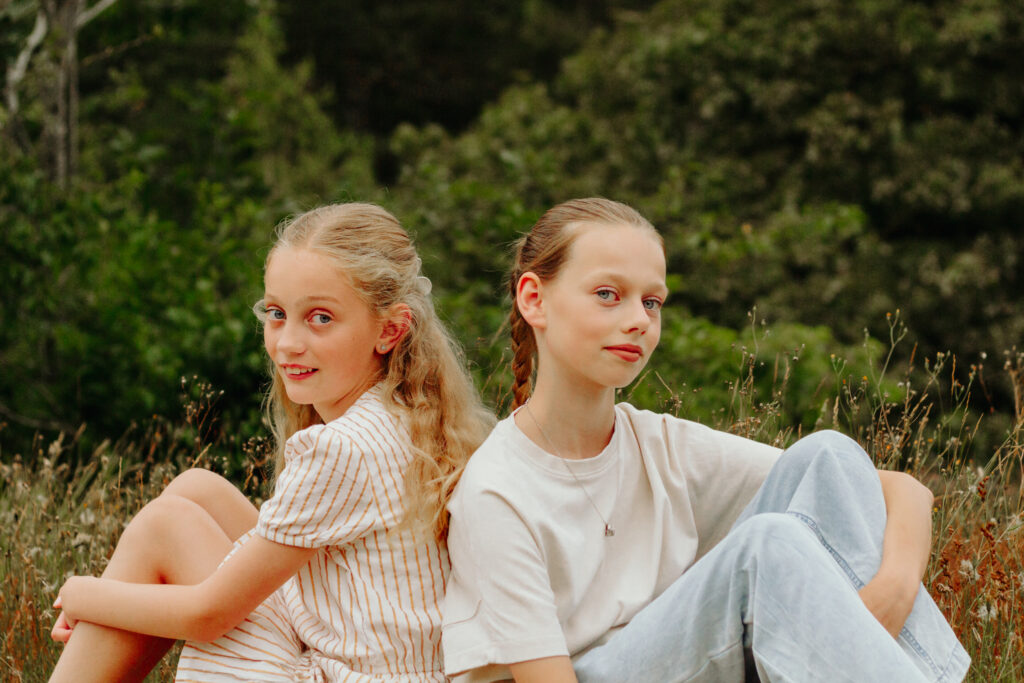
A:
x: 179, y: 537
x: 227, y: 505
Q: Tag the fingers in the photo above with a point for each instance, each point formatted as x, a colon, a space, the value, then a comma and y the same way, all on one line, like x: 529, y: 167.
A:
x: 61, y: 631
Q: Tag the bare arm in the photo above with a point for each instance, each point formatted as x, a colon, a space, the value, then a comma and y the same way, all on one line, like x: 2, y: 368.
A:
x: 906, y: 547
x: 544, y: 670
x: 203, y: 612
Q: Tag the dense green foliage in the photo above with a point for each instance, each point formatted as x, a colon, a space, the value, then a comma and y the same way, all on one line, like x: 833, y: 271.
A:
x: 421, y: 61
x: 823, y: 164
x: 830, y: 164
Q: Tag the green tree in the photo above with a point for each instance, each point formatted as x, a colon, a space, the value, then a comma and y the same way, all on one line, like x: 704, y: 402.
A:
x: 826, y: 163
x: 144, y: 272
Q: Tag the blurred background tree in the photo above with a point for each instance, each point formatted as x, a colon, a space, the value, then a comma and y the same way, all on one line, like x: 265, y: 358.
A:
x: 826, y: 164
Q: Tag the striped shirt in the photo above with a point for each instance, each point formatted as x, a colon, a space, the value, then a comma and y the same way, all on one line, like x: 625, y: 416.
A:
x: 367, y: 606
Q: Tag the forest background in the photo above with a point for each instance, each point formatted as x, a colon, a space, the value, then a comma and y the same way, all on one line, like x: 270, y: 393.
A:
x: 840, y: 186
x: 823, y: 163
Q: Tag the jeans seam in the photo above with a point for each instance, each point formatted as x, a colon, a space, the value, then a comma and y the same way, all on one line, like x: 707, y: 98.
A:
x: 953, y: 659
x: 905, y: 633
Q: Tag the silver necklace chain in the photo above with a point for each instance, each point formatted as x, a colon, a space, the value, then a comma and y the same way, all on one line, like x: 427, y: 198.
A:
x: 608, y: 529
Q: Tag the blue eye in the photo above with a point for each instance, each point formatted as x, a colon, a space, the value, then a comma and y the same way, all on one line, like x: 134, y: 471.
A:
x: 321, y: 318
x: 652, y: 304
x: 605, y: 294
x: 275, y: 314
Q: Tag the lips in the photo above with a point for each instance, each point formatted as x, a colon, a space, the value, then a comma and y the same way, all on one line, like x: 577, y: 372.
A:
x: 297, y: 372
x: 630, y: 353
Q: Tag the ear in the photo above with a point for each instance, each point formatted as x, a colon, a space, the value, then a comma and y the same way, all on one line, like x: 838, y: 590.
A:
x: 530, y: 299
x: 393, y: 327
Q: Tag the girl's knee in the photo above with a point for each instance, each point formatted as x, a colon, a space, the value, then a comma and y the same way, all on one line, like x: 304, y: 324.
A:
x: 164, y: 514
x: 197, y: 484
x: 149, y: 534
x: 775, y: 536
x: 830, y: 447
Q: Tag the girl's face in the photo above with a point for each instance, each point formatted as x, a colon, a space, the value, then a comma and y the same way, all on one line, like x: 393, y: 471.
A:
x: 323, y: 340
x: 600, y: 316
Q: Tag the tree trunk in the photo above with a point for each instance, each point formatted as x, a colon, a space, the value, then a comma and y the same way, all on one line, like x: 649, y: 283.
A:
x: 71, y: 69
x: 59, y: 144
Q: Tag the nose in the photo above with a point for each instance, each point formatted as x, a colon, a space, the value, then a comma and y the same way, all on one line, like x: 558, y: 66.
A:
x: 287, y: 338
x: 638, y: 318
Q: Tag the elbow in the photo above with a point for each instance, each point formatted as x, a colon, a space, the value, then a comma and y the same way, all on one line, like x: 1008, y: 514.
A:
x: 914, y: 489
x: 210, y: 622
x: 926, y: 495
x: 920, y: 491
x: 207, y: 632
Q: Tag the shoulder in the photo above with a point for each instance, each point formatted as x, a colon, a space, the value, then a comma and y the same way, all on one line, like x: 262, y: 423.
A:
x: 367, y: 427
x: 502, y: 471
x: 679, y: 435
x: 494, y: 459
x: 651, y: 426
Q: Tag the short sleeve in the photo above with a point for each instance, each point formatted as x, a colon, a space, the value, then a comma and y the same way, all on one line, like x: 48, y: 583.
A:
x: 724, y: 473
x: 322, y: 496
x: 499, y: 605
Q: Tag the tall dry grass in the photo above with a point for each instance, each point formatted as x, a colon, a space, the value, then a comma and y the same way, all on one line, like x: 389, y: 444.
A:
x: 59, y: 520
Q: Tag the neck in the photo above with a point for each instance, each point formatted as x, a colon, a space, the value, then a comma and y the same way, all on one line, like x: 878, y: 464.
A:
x: 337, y: 408
x: 570, y: 422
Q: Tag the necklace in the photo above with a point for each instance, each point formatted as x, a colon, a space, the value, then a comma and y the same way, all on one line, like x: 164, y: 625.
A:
x: 609, y: 530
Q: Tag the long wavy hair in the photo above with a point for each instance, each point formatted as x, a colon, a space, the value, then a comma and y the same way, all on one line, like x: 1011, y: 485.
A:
x: 544, y: 251
x: 424, y: 378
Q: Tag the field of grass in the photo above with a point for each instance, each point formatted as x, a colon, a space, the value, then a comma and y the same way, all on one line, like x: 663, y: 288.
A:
x: 59, y: 520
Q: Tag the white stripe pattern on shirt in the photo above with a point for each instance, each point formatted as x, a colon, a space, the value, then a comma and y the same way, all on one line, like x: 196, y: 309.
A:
x: 367, y: 606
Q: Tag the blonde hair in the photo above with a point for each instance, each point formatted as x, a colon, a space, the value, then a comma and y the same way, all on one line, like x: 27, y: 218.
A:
x: 543, y: 251
x: 424, y: 380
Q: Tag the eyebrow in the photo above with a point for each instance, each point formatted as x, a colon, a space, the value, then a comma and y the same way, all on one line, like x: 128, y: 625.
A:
x: 309, y: 299
x: 660, y: 288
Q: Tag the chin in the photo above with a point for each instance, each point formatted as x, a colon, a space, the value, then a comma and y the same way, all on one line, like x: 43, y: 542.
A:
x: 617, y: 383
x: 297, y: 397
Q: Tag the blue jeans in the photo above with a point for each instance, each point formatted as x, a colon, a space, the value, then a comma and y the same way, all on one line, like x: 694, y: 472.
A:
x: 783, y: 586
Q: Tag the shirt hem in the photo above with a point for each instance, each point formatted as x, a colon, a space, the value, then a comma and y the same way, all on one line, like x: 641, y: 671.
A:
x: 456, y: 663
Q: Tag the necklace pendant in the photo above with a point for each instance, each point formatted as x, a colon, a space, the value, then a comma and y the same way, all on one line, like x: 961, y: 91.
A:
x: 608, y: 530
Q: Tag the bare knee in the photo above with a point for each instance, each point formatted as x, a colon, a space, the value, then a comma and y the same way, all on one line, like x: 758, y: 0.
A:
x: 157, y: 542
x: 228, y: 506
x: 198, y: 485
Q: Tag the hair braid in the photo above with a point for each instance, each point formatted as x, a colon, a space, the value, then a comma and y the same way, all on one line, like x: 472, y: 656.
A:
x: 523, y: 348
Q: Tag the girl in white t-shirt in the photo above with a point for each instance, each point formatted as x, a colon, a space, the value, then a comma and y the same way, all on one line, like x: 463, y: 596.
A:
x: 596, y: 542
x: 340, y: 574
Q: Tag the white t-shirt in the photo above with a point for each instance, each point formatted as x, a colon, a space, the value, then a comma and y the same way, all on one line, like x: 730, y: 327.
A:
x: 533, y: 573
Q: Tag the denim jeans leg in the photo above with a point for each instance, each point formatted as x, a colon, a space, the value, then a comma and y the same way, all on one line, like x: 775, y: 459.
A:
x: 785, y: 581
x: 769, y: 577
x: 828, y: 482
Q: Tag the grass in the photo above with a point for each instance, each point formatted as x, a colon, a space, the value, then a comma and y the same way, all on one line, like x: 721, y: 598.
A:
x: 60, y: 520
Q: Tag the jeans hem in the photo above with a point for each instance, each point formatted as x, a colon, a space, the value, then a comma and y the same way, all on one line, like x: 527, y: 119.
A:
x: 956, y: 667
x: 905, y: 635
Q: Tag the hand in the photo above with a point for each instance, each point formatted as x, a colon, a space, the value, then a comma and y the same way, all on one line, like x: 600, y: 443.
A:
x: 890, y: 601
x: 70, y: 595
x: 61, y: 631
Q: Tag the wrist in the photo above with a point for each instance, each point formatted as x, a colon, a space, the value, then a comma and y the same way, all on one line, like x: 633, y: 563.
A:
x: 75, y: 589
x: 898, y: 582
